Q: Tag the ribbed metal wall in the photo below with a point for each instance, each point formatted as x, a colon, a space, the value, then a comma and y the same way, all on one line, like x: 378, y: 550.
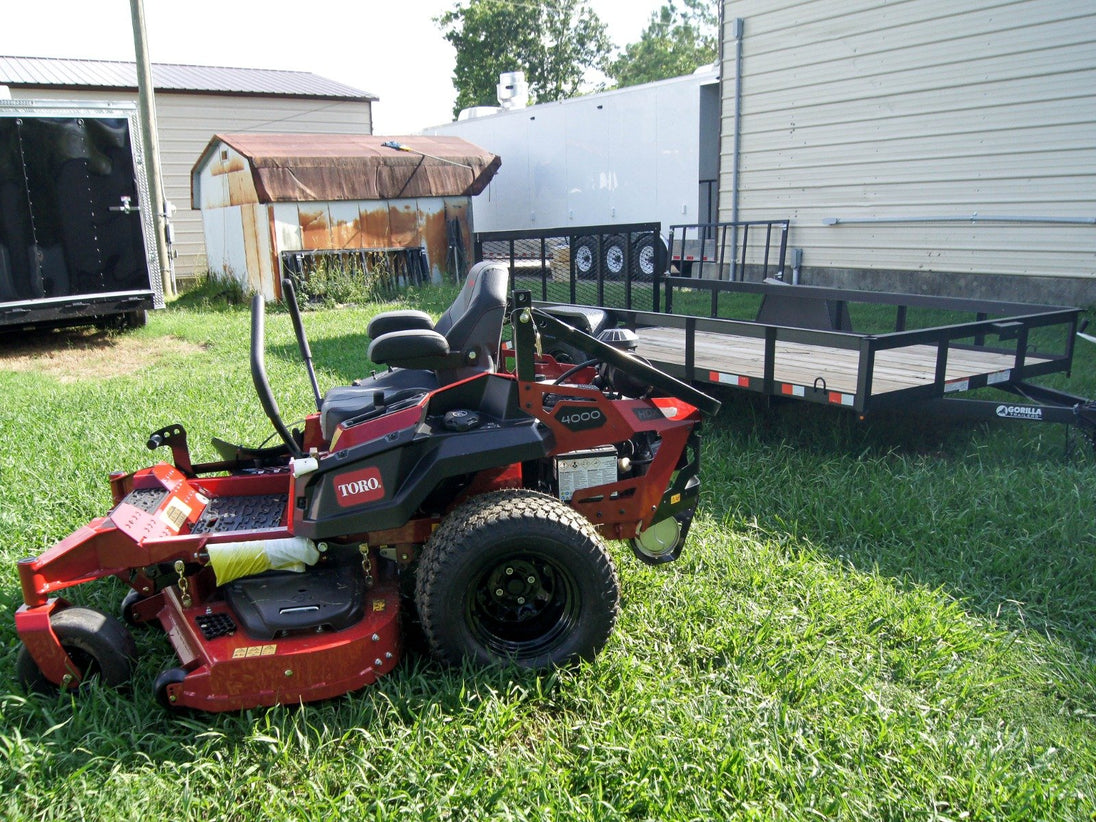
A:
x: 886, y: 115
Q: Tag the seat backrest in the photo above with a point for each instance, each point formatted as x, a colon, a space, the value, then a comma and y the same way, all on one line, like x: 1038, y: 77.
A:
x: 473, y: 323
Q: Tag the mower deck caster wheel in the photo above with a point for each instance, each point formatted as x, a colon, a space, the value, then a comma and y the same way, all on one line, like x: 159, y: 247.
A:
x: 172, y: 676
x: 129, y: 616
x: 99, y: 645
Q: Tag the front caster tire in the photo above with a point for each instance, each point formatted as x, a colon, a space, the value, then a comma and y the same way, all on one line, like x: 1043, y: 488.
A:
x: 172, y: 676
x: 98, y: 644
x: 130, y: 615
x: 516, y: 576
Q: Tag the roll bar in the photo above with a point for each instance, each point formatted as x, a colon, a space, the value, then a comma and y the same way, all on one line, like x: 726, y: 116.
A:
x: 258, y: 375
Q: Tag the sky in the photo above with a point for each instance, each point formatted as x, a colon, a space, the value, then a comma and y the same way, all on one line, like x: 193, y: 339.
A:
x: 393, y: 50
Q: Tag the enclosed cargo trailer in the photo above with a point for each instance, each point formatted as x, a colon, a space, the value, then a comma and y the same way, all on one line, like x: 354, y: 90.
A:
x: 75, y: 231
x: 590, y: 167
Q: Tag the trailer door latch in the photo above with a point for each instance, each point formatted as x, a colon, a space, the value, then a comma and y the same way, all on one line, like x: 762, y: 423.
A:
x: 126, y: 207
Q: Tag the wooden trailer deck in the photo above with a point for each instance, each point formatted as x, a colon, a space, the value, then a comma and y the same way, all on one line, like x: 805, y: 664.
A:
x: 729, y: 357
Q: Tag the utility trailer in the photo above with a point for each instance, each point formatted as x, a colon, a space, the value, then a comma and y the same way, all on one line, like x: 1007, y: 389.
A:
x: 803, y: 345
x: 857, y: 350
x: 76, y: 236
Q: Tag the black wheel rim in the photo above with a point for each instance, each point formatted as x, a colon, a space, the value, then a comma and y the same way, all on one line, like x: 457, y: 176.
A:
x: 523, y: 606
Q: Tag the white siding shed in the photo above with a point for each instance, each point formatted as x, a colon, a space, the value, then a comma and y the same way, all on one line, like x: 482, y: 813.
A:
x: 919, y: 145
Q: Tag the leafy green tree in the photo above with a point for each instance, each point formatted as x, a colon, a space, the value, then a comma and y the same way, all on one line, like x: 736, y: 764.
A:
x: 680, y: 37
x: 553, y: 41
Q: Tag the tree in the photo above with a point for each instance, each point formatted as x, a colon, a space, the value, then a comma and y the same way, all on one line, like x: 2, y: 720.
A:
x: 680, y: 37
x: 553, y: 41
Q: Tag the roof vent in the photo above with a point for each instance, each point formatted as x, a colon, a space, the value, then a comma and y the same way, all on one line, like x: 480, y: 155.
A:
x: 513, y: 91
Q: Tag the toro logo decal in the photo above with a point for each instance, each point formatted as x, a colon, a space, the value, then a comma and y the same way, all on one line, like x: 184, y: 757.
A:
x: 581, y: 417
x: 359, y: 487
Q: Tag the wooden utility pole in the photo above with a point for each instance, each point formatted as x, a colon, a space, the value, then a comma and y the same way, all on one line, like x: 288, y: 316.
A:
x: 147, y: 105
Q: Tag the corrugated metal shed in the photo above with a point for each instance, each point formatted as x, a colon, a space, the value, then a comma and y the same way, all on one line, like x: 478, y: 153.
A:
x: 272, y: 202
x: 52, y: 72
x: 333, y: 167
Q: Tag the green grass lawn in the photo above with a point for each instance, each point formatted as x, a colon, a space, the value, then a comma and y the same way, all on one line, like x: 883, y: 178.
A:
x: 891, y: 619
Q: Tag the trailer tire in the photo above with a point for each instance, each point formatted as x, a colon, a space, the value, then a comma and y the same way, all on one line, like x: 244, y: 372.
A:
x: 584, y: 253
x: 615, y: 261
x: 648, y: 253
x: 518, y: 577
x: 100, y: 646
x: 136, y: 319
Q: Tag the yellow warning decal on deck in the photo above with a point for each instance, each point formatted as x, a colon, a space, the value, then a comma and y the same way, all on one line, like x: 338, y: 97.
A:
x: 254, y: 650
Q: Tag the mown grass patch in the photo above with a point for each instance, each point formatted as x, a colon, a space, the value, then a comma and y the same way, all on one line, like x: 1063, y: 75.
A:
x: 884, y: 620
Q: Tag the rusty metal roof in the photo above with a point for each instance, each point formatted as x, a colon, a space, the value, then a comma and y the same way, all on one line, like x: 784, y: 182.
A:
x: 321, y: 167
x: 55, y: 72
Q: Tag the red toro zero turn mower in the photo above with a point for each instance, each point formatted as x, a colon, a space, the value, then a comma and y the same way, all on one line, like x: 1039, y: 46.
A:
x: 490, y: 473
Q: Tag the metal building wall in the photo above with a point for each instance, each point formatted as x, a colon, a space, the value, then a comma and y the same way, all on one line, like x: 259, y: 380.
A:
x: 188, y: 121
x: 888, y: 116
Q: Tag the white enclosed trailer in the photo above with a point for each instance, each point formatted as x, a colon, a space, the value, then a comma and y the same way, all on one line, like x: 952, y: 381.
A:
x: 641, y: 154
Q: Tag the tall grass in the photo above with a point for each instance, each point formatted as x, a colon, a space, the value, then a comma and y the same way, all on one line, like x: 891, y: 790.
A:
x: 892, y: 619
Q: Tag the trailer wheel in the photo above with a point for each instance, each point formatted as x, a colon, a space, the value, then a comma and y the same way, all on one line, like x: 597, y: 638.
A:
x: 516, y: 576
x: 136, y: 319
x: 98, y: 644
x: 616, y: 255
x: 647, y: 252
x: 584, y: 254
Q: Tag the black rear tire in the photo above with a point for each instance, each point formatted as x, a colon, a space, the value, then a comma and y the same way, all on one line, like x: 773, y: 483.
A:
x: 516, y: 576
x: 98, y: 644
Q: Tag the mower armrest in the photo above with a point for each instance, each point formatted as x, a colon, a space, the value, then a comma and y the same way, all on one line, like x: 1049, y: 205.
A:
x: 400, y: 348
x: 391, y: 321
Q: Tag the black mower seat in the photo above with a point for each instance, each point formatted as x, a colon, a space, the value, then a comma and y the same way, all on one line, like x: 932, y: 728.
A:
x: 424, y: 355
x: 585, y: 318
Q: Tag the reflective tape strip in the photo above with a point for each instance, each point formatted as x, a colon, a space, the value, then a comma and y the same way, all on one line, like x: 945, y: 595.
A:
x: 837, y: 398
x: 729, y: 379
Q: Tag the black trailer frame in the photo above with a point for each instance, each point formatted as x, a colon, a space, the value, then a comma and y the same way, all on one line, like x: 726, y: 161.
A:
x: 801, y: 343
x: 864, y: 372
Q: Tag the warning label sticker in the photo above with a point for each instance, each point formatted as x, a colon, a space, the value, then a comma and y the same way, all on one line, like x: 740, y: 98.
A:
x: 175, y: 514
